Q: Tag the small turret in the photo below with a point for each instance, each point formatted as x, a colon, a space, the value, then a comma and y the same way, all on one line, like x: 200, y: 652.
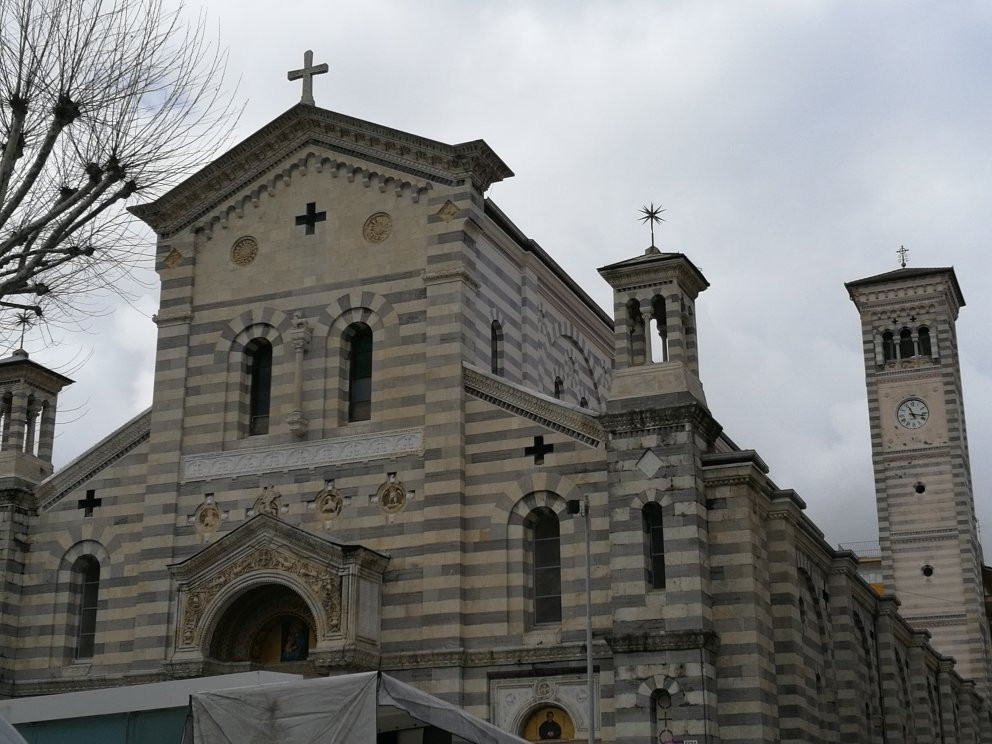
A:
x: 654, y: 295
x: 28, y: 402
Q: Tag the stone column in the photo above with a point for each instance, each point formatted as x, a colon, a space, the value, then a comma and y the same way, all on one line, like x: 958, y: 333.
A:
x: 300, y: 337
x: 46, y: 441
x: 18, y: 419
x: 948, y: 701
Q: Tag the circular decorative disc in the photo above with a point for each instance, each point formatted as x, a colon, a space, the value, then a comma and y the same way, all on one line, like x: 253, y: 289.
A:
x: 243, y: 251
x: 329, y: 504
x: 391, y: 497
x: 378, y: 227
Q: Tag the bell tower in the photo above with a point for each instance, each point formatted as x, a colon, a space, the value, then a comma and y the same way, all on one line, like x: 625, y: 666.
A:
x: 654, y: 314
x: 928, y: 533
x: 28, y: 400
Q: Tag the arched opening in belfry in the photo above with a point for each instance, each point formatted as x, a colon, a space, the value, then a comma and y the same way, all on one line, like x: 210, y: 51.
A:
x: 265, y: 626
x: 659, y: 330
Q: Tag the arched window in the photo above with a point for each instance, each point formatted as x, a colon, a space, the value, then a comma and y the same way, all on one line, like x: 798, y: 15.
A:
x: 559, y: 387
x: 359, y: 338
x: 546, y: 552
x: 906, y: 346
x: 654, y: 545
x: 923, y: 335
x: 496, y: 348
x: 258, y: 357
x: 888, y: 346
x: 659, y: 340
x: 584, y: 402
x: 86, y: 590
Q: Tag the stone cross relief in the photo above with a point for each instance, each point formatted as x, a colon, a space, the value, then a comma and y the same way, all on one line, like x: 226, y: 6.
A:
x: 89, y: 503
x: 307, y: 72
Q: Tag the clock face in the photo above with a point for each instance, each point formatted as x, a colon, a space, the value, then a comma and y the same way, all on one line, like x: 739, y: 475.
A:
x: 912, y: 413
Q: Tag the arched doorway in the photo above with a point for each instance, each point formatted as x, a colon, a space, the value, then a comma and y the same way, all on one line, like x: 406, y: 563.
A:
x: 265, y: 626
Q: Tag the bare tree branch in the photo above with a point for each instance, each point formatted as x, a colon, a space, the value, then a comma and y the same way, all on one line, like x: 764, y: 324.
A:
x: 99, y: 100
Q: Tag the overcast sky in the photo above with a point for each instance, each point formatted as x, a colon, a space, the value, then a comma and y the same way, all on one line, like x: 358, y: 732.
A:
x: 795, y: 146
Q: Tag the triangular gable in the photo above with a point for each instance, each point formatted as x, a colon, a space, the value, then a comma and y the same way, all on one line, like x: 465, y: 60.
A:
x: 548, y: 412
x: 425, y: 161
x: 93, y: 461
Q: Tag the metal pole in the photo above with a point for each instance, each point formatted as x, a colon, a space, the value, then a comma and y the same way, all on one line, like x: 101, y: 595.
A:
x: 592, y: 700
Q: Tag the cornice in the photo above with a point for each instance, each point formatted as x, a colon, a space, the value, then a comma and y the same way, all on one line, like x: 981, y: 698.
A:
x: 934, y: 535
x: 78, y: 684
x: 644, y: 641
x: 530, y: 406
x: 932, y: 621
x: 134, y: 433
x: 637, y: 422
x: 447, y: 275
x: 653, y: 269
x: 302, y: 126
x: 264, y: 530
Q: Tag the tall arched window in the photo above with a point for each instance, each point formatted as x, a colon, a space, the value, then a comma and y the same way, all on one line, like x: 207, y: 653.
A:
x: 659, y: 341
x: 258, y: 356
x: 888, y: 346
x: 923, y: 335
x: 359, y: 338
x: 559, y: 387
x: 86, y: 588
x: 546, y: 551
x: 654, y: 545
x: 496, y: 348
x: 906, y: 346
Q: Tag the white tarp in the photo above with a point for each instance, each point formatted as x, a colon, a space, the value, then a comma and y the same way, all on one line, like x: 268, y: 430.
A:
x: 8, y: 734
x: 343, y: 710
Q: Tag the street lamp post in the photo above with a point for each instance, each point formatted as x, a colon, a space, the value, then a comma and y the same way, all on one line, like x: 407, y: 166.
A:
x: 582, y: 507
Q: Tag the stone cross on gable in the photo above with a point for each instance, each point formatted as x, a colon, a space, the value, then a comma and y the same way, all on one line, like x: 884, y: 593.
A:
x: 307, y: 72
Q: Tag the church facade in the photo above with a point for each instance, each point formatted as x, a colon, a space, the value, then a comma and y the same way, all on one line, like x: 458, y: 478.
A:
x: 383, y: 421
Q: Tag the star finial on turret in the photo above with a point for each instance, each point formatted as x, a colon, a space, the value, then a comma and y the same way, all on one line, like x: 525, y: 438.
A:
x: 652, y: 215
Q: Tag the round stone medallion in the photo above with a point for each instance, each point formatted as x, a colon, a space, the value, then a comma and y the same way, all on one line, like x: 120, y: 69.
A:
x: 378, y: 227
x: 244, y: 250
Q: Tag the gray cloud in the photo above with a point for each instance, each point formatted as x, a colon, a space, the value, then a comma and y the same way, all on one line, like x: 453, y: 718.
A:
x: 795, y: 146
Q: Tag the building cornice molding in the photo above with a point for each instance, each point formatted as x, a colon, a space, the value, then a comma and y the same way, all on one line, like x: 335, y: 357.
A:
x: 637, y: 422
x: 653, y: 640
x: 423, y: 159
x: 134, y: 433
x: 537, y: 408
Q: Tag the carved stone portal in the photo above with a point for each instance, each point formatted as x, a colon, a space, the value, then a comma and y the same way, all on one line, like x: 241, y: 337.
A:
x: 334, y: 585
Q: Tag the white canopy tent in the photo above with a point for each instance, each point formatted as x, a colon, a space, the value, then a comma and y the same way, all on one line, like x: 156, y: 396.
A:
x: 349, y: 709
x: 8, y: 734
